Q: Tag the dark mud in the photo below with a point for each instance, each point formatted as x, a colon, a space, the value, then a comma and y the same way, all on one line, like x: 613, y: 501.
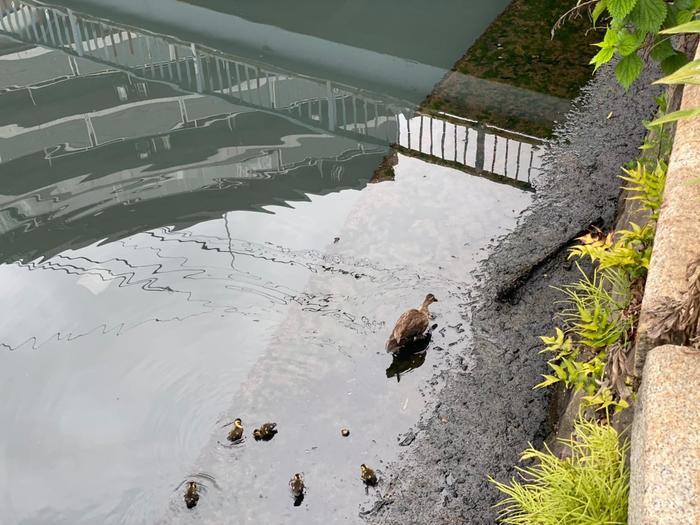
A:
x: 488, y: 411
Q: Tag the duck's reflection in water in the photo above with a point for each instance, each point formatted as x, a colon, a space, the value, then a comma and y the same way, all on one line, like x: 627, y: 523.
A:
x: 411, y: 356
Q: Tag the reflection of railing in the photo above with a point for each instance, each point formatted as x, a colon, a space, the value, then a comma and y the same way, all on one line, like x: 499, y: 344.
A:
x: 486, y: 149
x: 198, y: 69
x: 318, y: 103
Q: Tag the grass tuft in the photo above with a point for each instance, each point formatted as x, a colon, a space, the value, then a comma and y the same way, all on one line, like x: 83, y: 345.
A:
x: 591, y: 487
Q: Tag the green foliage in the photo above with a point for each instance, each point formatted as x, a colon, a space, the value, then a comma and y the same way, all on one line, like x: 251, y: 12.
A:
x: 593, y: 321
x: 677, y: 115
x: 628, y: 69
x: 647, y: 186
x: 634, y: 25
x: 597, y: 318
x: 567, y: 366
x: 630, y: 252
x: 659, y: 141
x: 688, y: 27
x: 688, y: 74
x: 593, y: 315
x: 604, y: 400
x: 589, y: 488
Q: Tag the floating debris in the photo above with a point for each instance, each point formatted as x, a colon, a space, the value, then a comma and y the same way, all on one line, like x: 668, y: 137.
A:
x: 408, y: 439
x: 344, y: 432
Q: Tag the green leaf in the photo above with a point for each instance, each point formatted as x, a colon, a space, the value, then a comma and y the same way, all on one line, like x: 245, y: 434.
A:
x: 628, y: 69
x: 662, y: 50
x: 548, y: 380
x: 685, y: 16
x: 561, y: 374
x: 683, y: 4
x: 621, y: 8
x: 673, y: 63
x: 611, y: 37
x: 688, y: 74
x: 676, y: 115
x: 627, y: 43
x: 603, y: 57
x: 598, y: 10
x: 690, y: 27
x: 649, y: 15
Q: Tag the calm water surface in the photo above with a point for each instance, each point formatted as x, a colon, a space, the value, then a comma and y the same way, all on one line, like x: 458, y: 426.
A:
x: 192, y: 230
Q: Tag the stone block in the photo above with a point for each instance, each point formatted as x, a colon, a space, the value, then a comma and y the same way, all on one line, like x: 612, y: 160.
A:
x: 677, y: 242
x: 665, y: 456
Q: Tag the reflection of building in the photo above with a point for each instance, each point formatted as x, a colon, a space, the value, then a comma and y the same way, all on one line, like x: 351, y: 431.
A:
x: 72, y: 122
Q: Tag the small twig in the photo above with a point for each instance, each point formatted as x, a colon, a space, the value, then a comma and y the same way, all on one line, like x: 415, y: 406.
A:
x: 570, y: 14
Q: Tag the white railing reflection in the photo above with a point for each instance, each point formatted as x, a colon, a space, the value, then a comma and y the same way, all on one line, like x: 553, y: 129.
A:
x: 322, y: 103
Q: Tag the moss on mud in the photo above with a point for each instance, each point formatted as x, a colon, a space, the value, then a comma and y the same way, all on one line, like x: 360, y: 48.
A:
x: 517, y: 49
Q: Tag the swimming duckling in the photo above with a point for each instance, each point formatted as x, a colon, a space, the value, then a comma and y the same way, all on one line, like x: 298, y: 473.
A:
x: 368, y: 476
x: 411, y: 325
x: 236, y: 433
x: 266, y: 432
x: 296, y: 485
x: 191, y: 494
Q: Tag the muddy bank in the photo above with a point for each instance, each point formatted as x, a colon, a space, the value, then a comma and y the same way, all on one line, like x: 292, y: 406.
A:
x: 488, y: 412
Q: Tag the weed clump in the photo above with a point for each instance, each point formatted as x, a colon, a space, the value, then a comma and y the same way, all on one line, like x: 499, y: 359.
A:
x: 590, y: 487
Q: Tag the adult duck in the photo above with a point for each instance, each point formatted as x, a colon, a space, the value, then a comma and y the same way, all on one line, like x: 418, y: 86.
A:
x: 411, y: 325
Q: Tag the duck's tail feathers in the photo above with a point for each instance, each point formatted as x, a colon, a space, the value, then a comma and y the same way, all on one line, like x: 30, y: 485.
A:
x: 393, y: 346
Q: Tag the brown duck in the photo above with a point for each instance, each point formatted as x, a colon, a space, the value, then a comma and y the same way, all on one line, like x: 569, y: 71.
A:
x: 411, y: 325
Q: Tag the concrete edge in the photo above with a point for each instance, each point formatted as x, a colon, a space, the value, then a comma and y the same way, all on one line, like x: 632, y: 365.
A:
x: 678, y: 231
x: 665, y: 455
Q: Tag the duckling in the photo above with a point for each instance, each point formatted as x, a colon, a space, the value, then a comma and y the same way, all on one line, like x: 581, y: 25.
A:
x: 236, y: 433
x: 296, y: 485
x: 368, y: 476
x: 411, y: 325
x: 191, y: 494
x: 266, y: 432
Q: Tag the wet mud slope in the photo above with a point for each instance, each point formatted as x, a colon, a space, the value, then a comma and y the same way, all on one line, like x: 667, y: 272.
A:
x: 488, y: 411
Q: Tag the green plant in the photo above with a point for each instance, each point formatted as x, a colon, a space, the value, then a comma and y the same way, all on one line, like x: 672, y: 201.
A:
x: 595, y: 320
x: 593, y: 314
x: 658, y: 143
x: 637, y: 29
x: 630, y: 252
x: 591, y: 487
x: 686, y: 74
x: 633, y: 26
x: 647, y: 186
x: 605, y: 400
x: 569, y: 368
